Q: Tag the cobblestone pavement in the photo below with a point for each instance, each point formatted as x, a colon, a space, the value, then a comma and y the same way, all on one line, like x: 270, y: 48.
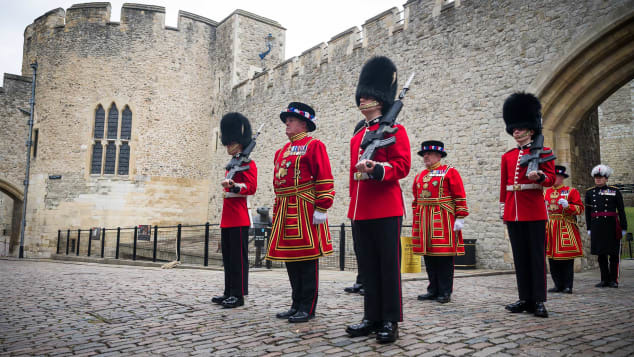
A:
x: 54, y: 308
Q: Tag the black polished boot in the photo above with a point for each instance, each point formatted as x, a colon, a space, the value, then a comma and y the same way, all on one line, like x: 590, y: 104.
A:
x: 233, y: 301
x: 354, y: 288
x: 554, y: 290
x: 428, y: 296
x: 300, y: 316
x: 613, y: 284
x: 286, y: 314
x: 601, y: 284
x: 219, y: 299
x: 363, y: 328
x: 520, y: 306
x: 388, y: 332
x: 540, y: 309
x: 567, y: 291
x: 443, y: 299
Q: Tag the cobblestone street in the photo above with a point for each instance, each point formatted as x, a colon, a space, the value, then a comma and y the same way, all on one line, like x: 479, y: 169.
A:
x: 62, y: 308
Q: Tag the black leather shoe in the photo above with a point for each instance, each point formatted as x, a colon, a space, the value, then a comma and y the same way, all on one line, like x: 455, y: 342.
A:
x: 218, y: 299
x: 540, y: 310
x: 363, y: 328
x: 362, y: 291
x: 353, y: 289
x: 601, y: 284
x: 233, y: 301
x: 613, y: 284
x: 388, y: 332
x: 554, y: 290
x: 428, y: 296
x: 520, y: 306
x: 286, y: 314
x: 443, y: 299
x: 567, y: 291
x: 300, y: 316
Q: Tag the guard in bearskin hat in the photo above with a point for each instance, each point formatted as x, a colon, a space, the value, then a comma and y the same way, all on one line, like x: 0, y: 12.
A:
x: 439, y: 202
x: 376, y: 204
x: 563, y: 241
x: 607, y: 224
x: 235, y: 131
x: 522, y: 201
x: 304, y: 191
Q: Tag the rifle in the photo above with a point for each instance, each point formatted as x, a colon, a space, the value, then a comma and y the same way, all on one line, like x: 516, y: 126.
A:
x: 239, y: 162
x: 374, y: 140
x: 533, y: 159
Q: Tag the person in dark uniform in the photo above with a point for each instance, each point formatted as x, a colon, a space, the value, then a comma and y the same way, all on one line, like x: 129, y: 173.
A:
x: 357, y: 287
x: 235, y: 132
x: 304, y: 191
x: 439, y: 208
x: 607, y: 224
x: 563, y: 241
x: 376, y: 204
x: 522, y: 201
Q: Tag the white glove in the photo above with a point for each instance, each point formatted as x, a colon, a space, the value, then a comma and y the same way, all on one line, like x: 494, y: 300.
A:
x: 623, y: 233
x: 458, y: 224
x: 319, y: 217
x: 501, y: 210
x: 563, y: 202
x: 588, y: 233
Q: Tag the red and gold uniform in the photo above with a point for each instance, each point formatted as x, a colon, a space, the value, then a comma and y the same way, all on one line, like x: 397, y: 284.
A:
x: 523, y: 198
x: 303, y: 183
x: 439, y: 198
x: 235, y: 211
x: 562, y: 234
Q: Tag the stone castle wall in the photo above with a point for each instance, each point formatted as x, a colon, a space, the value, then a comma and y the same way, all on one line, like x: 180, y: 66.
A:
x: 616, y: 126
x: 467, y: 59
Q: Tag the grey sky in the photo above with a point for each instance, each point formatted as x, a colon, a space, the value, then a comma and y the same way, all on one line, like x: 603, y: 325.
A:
x: 307, y: 23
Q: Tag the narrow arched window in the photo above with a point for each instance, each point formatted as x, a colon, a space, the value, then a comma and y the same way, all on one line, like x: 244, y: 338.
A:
x: 113, y: 122
x: 100, y: 124
x: 126, y: 123
x: 124, y: 159
x: 111, y: 156
x: 97, y: 153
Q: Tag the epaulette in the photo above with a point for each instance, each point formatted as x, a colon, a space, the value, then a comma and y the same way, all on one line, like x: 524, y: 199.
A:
x: 591, y: 188
x: 614, y: 187
x: 359, y: 126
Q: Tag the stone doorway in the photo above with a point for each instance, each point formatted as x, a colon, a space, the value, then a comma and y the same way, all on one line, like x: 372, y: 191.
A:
x: 11, y: 200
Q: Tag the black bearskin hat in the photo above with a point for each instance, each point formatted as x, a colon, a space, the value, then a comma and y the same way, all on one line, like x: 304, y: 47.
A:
x: 235, y: 127
x: 378, y: 80
x: 522, y: 110
x: 301, y: 111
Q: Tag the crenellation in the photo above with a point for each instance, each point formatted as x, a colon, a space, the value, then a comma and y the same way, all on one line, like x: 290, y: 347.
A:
x: 89, y: 13
x: 380, y: 26
x: 142, y: 17
x: 342, y: 44
x: 188, y: 15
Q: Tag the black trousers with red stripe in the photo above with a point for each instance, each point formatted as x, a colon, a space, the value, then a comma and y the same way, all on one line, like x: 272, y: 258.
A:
x: 304, y: 278
x: 234, y: 242
x: 380, y: 249
x: 528, y: 241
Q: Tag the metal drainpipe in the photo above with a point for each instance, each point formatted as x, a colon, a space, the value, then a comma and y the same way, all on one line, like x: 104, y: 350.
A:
x: 29, y: 143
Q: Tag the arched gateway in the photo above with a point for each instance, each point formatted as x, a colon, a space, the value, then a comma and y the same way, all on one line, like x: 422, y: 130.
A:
x: 17, y: 195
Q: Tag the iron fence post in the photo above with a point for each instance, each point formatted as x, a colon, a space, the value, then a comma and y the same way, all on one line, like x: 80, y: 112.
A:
x: 178, y: 242
x: 206, y: 261
x: 155, y: 242
x: 116, y: 255
x: 134, y: 244
x: 59, y: 236
x: 78, y: 239
x: 342, y: 247
x: 67, y: 240
x: 89, y: 241
x: 103, y: 240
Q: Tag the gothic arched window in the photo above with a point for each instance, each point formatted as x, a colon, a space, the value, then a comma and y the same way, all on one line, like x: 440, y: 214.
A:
x: 117, y: 145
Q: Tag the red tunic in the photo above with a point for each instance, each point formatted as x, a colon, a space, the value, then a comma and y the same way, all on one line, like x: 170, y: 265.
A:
x: 370, y: 198
x: 524, y: 205
x: 303, y: 183
x: 439, y: 198
x: 235, y: 212
x: 562, y: 234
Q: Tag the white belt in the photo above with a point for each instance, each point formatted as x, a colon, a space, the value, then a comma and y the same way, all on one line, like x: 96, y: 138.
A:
x: 361, y: 176
x: 523, y: 186
x: 232, y: 195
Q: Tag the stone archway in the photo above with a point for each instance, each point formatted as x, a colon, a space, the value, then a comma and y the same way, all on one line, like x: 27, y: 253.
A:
x: 599, y: 64
x: 17, y: 196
